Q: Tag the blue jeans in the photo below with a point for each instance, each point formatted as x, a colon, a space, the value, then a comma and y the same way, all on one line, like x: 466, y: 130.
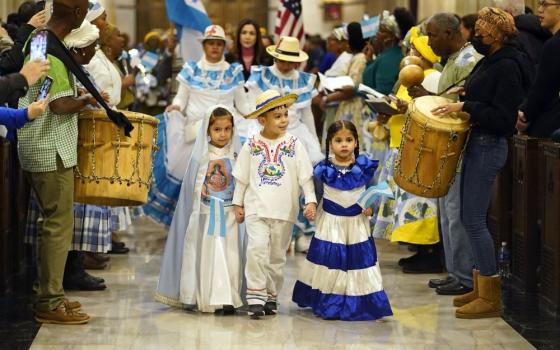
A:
x: 456, y: 242
x: 484, y: 157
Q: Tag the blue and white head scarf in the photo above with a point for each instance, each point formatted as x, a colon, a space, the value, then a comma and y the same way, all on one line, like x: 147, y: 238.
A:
x: 94, y: 10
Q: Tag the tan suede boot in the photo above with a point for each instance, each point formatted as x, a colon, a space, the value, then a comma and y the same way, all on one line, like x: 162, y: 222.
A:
x: 489, y: 301
x: 470, y: 296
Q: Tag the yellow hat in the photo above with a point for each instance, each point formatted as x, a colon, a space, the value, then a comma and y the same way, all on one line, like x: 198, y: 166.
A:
x: 287, y: 50
x: 271, y: 99
x: 154, y: 34
x: 420, y: 43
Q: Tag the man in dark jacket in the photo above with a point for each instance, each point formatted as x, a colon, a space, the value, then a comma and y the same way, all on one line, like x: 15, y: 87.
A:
x: 13, y: 86
x: 540, y: 114
x: 11, y: 60
x: 531, y: 35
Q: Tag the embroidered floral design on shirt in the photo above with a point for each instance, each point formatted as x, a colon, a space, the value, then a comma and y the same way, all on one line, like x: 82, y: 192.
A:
x: 271, y: 168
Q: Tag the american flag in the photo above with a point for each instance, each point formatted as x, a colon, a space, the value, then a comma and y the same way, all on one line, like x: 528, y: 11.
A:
x: 289, y: 21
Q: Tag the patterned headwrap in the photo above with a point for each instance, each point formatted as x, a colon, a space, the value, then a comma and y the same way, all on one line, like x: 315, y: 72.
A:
x: 389, y: 22
x: 340, y: 33
x: 496, y: 22
x: 420, y: 43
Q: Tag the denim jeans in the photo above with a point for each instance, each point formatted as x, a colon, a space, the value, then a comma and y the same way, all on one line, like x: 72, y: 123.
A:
x: 456, y: 242
x: 484, y: 157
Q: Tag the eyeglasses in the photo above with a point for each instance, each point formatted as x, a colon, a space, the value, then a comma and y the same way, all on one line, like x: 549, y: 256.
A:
x: 543, y: 3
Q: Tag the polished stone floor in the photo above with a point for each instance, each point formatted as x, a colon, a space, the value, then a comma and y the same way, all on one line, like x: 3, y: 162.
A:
x: 125, y: 317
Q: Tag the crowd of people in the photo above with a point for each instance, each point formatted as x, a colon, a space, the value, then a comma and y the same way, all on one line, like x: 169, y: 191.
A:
x: 255, y: 152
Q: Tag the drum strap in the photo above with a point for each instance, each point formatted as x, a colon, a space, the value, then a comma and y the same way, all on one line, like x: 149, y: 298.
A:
x: 56, y: 48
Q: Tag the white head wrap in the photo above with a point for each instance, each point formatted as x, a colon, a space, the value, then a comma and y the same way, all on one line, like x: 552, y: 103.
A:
x: 82, y: 37
x: 94, y: 10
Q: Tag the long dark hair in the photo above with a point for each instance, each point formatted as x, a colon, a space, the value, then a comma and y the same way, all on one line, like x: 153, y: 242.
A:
x: 258, y: 43
x: 336, y: 127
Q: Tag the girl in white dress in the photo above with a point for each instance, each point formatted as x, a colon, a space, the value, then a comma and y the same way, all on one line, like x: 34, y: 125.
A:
x: 201, y: 266
x: 203, y: 84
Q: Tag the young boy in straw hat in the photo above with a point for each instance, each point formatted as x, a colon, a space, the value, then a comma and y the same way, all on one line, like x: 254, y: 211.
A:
x: 270, y: 169
x: 283, y: 76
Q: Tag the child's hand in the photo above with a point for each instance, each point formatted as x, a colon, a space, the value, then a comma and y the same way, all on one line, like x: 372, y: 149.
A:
x: 36, y: 109
x: 239, y: 214
x: 309, y: 211
x: 368, y: 212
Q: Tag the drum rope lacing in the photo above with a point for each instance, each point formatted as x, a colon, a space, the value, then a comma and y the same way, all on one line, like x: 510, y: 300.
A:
x: 414, y: 178
x: 116, y: 176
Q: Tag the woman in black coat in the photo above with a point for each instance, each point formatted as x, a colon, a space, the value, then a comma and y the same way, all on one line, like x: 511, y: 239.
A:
x: 493, y: 93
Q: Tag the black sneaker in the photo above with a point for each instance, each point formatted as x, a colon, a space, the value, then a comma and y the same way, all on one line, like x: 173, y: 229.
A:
x: 82, y: 282
x: 438, y: 282
x: 410, y: 260
x: 454, y: 288
x: 98, y: 279
x: 270, y: 308
x: 426, y: 264
x: 255, y: 311
x: 226, y: 310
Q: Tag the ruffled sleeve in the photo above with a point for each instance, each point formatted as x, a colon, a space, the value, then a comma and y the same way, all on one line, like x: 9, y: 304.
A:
x: 360, y: 173
x: 186, y: 74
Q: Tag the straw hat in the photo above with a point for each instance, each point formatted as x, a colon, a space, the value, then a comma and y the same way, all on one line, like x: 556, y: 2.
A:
x: 287, y: 50
x: 214, y: 32
x: 271, y: 99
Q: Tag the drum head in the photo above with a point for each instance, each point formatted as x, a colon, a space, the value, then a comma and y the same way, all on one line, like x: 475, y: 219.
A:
x: 421, y: 108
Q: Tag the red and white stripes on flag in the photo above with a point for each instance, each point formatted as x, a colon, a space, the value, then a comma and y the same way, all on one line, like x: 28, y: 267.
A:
x: 289, y: 21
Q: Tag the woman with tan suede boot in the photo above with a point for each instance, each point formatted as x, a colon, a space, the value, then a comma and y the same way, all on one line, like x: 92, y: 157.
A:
x: 493, y: 93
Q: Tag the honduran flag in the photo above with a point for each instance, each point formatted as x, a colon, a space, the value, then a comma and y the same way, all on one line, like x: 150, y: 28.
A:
x: 191, y: 19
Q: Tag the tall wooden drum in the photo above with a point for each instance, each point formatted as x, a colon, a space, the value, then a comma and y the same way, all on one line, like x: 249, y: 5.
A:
x: 430, y: 149
x: 113, y: 169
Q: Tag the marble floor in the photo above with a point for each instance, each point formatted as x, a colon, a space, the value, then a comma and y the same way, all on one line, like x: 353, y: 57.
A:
x: 125, y: 317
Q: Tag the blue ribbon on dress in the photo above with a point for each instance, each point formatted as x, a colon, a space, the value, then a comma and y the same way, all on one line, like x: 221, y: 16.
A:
x: 217, y: 216
x: 336, y: 209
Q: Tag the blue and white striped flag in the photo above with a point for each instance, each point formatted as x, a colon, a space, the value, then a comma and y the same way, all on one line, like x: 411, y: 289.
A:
x: 370, y: 26
x: 149, y: 61
x: 369, y: 196
x: 191, y: 19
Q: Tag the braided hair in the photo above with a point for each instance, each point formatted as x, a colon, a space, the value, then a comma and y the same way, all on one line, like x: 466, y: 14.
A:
x: 336, y: 127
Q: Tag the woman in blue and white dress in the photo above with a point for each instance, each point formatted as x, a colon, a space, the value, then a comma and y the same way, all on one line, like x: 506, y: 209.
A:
x: 340, y: 278
x: 205, y: 83
x: 284, y: 77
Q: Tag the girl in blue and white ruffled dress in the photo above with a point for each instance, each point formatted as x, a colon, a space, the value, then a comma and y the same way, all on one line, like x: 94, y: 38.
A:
x: 340, y: 278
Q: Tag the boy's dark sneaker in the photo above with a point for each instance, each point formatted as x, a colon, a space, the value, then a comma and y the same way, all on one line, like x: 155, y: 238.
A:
x: 270, y: 308
x: 255, y: 311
